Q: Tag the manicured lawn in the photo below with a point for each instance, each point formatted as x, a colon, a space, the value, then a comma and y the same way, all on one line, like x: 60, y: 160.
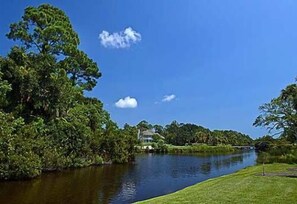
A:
x: 245, y: 186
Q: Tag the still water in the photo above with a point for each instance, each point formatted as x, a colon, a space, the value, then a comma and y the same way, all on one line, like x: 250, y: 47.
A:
x: 151, y: 175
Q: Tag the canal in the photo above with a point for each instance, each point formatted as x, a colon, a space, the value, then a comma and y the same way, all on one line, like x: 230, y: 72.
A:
x: 151, y: 175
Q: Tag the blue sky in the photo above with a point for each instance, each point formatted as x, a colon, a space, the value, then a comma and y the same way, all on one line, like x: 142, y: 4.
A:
x: 217, y: 61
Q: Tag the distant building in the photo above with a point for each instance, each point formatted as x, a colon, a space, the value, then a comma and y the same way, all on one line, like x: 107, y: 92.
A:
x: 147, y: 136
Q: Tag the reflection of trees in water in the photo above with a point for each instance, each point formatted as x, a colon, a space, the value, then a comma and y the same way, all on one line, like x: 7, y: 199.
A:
x: 88, y: 185
x: 205, y: 168
x: 206, y: 163
x: 114, y: 183
x: 225, y: 161
x: 228, y: 162
x: 112, y: 177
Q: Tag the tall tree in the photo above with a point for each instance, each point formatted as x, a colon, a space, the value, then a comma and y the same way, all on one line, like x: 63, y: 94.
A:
x: 47, y: 72
x: 46, y: 30
x: 280, y: 114
x: 158, y: 129
x: 144, y: 125
x: 4, y: 87
x: 46, y: 122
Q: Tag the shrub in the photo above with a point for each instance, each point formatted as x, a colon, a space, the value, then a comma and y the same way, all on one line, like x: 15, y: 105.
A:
x: 98, y: 160
x: 17, y: 158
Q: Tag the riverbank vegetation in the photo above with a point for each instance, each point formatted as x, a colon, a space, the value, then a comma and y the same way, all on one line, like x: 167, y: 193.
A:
x: 183, y: 134
x: 203, y: 148
x: 246, y: 186
x: 161, y: 147
x: 279, y: 116
x: 191, y: 138
x: 275, y: 150
x: 47, y: 122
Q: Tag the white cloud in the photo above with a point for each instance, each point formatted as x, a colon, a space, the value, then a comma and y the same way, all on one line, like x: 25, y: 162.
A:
x: 127, y: 102
x: 122, y: 39
x: 168, y: 98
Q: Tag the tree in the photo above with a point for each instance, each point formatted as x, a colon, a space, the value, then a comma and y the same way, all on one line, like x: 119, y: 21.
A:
x: 202, y: 137
x: 47, y: 31
x: 46, y: 122
x: 118, y: 145
x: 4, y: 88
x: 172, y: 132
x: 47, y: 71
x: 158, y: 129
x: 19, y: 147
x: 280, y: 114
x: 130, y: 134
x: 144, y: 125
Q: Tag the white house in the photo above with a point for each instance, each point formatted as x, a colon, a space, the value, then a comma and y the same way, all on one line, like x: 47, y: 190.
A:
x: 147, y: 136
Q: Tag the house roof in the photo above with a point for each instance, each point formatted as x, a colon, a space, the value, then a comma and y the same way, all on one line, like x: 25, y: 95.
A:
x: 150, y: 133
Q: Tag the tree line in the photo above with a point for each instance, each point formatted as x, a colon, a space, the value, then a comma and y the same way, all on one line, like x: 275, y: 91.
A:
x: 186, y: 133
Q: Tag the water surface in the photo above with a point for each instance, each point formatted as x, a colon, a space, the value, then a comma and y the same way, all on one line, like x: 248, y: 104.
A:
x: 151, y: 175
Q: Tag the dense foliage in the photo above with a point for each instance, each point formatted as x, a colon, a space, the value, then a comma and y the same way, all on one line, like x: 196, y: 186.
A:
x: 186, y: 134
x: 280, y: 118
x: 280, y: 114
x: 277, y: 150
x: 46, y: 121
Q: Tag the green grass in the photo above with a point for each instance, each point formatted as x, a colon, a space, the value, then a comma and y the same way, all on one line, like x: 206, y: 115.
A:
x: 203, y: 148
x: 245, y: 186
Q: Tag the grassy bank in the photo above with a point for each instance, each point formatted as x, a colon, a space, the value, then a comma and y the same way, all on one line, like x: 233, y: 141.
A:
x: 200, y: 149
x: 245, y: 186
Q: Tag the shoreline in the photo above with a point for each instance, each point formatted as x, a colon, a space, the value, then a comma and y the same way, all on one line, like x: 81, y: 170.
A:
x: 201, y: 148
x: 244, y: 186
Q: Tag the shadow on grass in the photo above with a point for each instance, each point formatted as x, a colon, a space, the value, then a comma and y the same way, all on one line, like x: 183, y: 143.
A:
x: 291, y: 173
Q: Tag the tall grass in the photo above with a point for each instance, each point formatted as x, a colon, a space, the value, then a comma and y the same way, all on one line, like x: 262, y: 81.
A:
x: 203, y: 148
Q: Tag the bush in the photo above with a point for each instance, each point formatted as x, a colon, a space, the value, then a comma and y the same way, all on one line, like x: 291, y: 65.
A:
x: 20, y: 166
x: 279, y: 154
x: 53, y: 159
x: 98, y: 160
x: 17, y: 158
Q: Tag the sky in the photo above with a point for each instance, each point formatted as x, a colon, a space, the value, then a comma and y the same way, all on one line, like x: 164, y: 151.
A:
x: 208, y: 62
